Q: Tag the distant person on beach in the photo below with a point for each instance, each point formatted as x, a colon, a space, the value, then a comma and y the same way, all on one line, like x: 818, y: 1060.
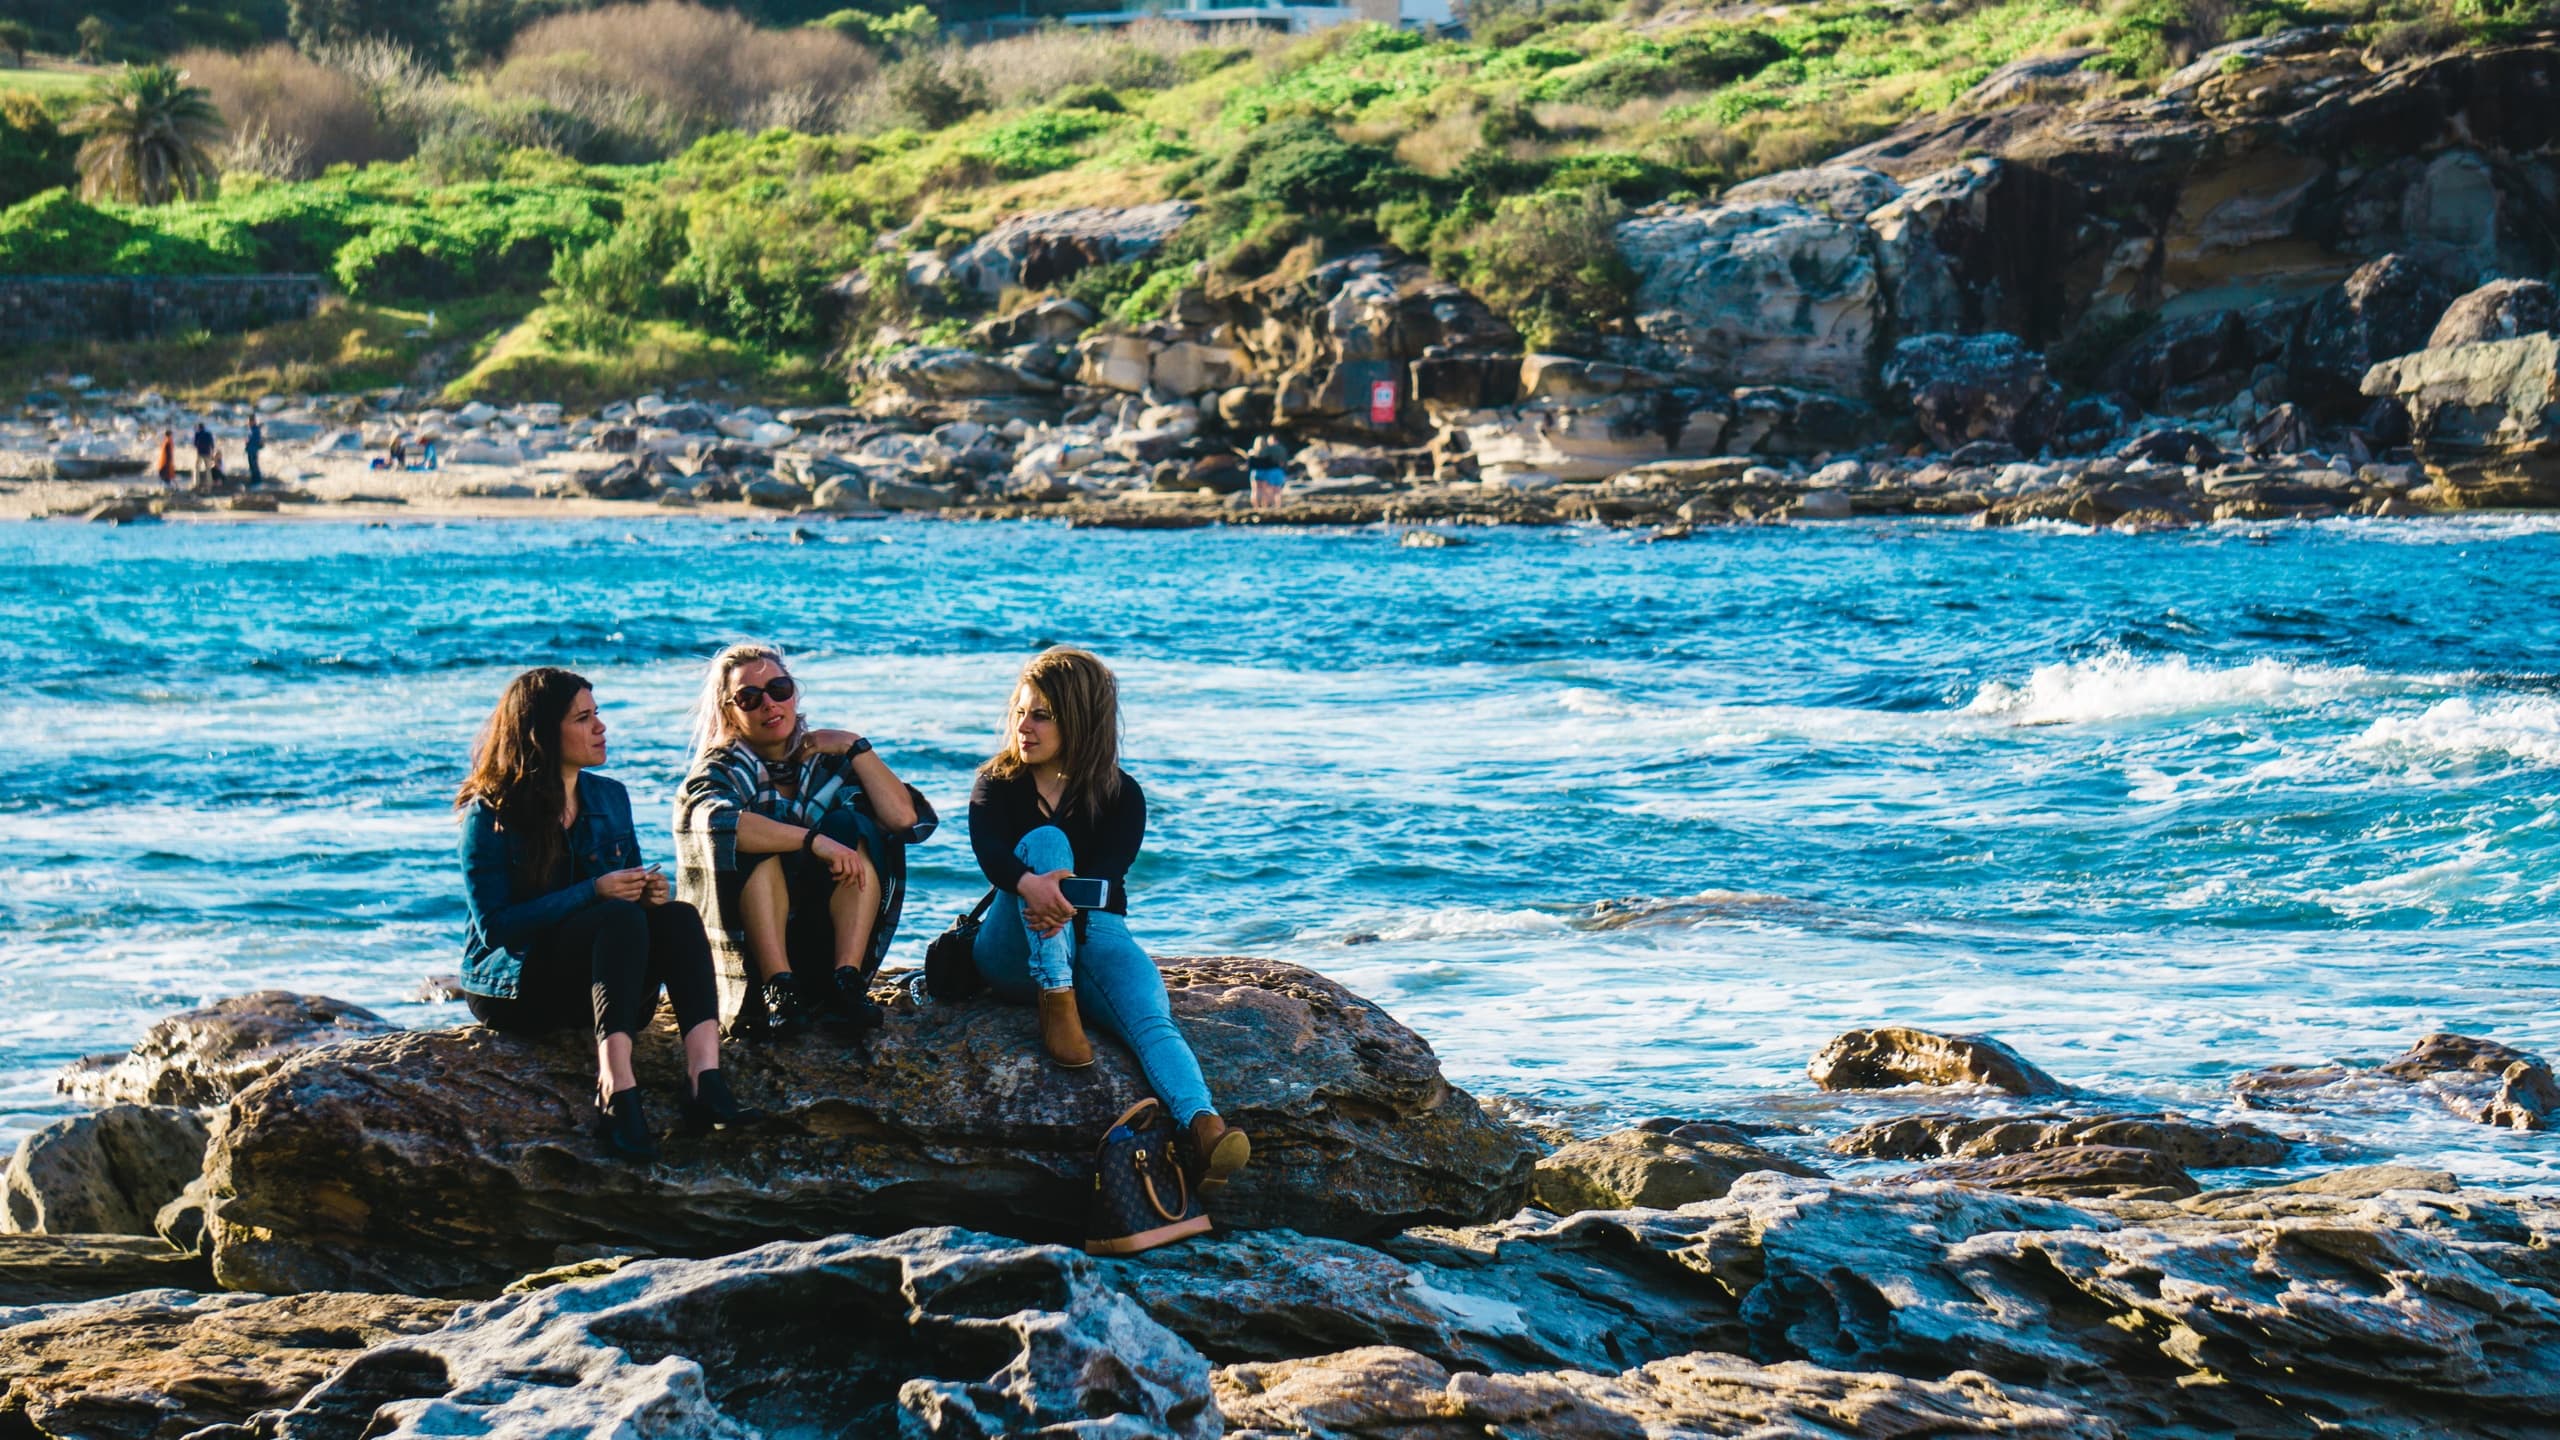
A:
x: 567, y: 926
x: 208, y: 465
x: 792, y: 843
x: 253, y: 447
x: 166, y: 466
x: 400, y: 451
x: 1054, y: 805
x: 1267, y: 471
x: 427, y: 455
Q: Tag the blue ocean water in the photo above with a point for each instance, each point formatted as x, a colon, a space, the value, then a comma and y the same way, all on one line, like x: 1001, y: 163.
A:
x: 1624, y: 829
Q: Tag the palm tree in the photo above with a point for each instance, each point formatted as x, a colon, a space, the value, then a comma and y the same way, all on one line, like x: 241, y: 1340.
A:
x: 147, y: 136
x: 17, y: 39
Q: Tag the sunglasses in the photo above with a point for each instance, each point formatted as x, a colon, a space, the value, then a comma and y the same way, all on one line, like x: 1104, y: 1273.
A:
x: 751, y: 698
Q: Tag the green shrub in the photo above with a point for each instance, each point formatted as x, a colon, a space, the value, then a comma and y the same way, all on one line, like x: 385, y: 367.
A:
x: 935, y: 91
x: 1550, y: 265
x: 1520, y: 20
x: 35, y: 156
x: 1089, y: 97
x: 1647, y: 67
x: 1035, y: 144
x: 1301, y: 165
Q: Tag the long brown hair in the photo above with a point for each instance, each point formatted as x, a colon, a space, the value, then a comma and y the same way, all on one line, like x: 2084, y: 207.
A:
x: 515, y: 767
x: 1086, y: 701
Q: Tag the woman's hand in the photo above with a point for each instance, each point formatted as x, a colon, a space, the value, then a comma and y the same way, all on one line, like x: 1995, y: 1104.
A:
x: 830, y: 742
x: 843, y: 861
x: 1043, y: 907
x: 659, y: 891
x: 631, y: 884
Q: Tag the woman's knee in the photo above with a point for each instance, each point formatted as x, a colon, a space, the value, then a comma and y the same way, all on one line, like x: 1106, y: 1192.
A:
x: 621, y: 923
x: 1046, y: 849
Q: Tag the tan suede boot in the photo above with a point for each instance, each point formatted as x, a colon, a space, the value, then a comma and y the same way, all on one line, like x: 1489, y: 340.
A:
x: 1218, y: 1151
x: 1062, y: 1030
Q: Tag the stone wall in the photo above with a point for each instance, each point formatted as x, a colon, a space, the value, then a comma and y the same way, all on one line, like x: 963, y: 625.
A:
x: 38, y: 308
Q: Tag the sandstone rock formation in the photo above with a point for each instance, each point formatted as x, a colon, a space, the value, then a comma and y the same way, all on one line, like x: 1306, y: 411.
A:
x: 1629, y: 1169
x: 455, y: 1160
x: 1894, y: 1055
x: 106, y: 1173
x: 2499, y: 310
x: 201, y: 1058
x: 2477, y: 1079
x: 2113, y: 1171
x: 56, y: 1269
x: 935, y: 1333
x: 1393, y: 1394
x: 1037, y: 251
x: 1942, y: 1134
x: 1977, y: 387
x: 2483, y: 417
x: 166, y: 1363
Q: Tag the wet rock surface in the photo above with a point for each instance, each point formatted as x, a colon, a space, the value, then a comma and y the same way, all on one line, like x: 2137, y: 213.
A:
x: 2478, y: 1079
x: 452, y: 1161
x: 932, y: 1333
x: 1894, y: 1055
x: 165, y: 1364
x: 1948, y: 1135
x: 201, y: 1058
x: 2102, y: 1170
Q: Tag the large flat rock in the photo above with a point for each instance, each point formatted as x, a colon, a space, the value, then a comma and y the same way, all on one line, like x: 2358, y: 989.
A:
x: 451, y: 1161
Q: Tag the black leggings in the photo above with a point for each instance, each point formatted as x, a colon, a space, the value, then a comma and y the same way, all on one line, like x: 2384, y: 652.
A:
x: 610, y: 959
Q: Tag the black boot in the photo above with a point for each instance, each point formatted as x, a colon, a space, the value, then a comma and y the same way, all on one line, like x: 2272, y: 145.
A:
x: 624, y: 1128
x: 786, y: 1010
x: 854, y: 1009
x: 709, y: 1106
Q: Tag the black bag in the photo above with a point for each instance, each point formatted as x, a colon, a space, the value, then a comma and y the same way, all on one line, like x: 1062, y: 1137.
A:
x: 1141, y: 1198
x: 951, y: 961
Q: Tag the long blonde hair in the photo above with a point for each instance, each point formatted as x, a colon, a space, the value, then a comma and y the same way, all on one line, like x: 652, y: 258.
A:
x: 713, y: 726
x: 1085, y: 699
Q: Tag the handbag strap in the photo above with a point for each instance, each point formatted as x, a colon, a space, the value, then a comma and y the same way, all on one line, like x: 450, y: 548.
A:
x: 979, y: 910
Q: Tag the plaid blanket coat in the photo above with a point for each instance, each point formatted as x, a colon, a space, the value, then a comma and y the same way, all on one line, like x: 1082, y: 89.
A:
x: 734, y: 781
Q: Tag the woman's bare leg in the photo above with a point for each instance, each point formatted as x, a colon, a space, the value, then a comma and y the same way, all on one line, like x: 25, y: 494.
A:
x: 764, y: 902
x: 855, y: 907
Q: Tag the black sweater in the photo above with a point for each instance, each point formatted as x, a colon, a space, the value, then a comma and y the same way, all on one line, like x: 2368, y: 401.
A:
x: 1001, y: 812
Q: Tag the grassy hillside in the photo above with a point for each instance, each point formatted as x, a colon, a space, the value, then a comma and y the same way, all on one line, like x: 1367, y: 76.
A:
x: 1503, y: 158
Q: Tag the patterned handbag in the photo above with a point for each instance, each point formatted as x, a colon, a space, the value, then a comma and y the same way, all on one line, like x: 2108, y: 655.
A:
x: 1141, y: 1199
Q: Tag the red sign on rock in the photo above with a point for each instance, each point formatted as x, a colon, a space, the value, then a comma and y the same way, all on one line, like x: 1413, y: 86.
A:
x: 1382, y: 402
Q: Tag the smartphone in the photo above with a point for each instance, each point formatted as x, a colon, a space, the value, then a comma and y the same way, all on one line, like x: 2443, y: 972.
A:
x: 1084, y: 893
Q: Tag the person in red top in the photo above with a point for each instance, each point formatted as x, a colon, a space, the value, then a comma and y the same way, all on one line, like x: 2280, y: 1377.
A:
x: 167, y: 468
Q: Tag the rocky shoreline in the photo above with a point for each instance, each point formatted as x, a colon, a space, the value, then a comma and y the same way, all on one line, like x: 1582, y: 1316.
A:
x: 403, y: 1233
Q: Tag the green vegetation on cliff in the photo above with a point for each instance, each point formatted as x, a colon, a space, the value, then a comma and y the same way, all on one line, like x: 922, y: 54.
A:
x: 653, y: 228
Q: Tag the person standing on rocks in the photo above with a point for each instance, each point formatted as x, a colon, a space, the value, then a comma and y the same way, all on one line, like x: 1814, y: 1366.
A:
x: 1267, y: 472
x: 253, y: 447
x: 1055, y: 805
x: 206, y: 463
x: 166, y: 466
x: 792, y: 843
x: 567, y: 925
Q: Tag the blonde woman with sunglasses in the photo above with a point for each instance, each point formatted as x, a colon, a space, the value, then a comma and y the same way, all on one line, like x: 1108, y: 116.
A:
x: 791, y: 841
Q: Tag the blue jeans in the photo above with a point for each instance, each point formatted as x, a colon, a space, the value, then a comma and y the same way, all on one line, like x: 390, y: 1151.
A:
x: 1118, y: 988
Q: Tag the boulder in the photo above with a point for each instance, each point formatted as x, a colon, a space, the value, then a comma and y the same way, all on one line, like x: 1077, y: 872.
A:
x: 1115, y: 362
x: 1963, y: 388
x: 2499, y: 310
x: 1395, y: 1394
x: 1972, y: 248
x: 890, y: 494
x: 1755, y: 293
x: 2486, y: 418
x: 55, y: 1269
x: 1561, y: 438
x: 1630, y: 1168
x: 1843, y: 192
x: 203, y: 1057
x: 1944, y: 1134
x: 939, y: 1334
x: 1055, y: 321
x: 772, y: 492
x: 2482, y: 1080
x: 376, y: 1166
x: 1188, y: 367
x: 106, y: 1173
x: 1881, y: 1059
x: 1035, y: 252
x: 2388, y: 307
x: 2098, y: 1170
x: 1822, y: 505
x: 168, y: 1363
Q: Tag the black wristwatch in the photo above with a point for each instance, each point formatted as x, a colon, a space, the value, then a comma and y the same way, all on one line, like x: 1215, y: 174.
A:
x: 861, y: 746
x: 809, y: 841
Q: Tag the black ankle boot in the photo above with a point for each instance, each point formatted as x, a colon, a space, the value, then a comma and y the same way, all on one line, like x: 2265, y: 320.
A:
x: 854, y: 1010
x: 786, y: 1010
x: 624, y: 1127
x: 709, y: 1106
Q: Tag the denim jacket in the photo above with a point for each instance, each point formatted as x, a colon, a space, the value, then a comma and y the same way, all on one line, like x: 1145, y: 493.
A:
x: 504, y: 919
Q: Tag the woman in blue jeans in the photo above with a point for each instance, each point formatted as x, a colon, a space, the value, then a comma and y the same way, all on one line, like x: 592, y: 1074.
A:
x: 1054, y: 803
